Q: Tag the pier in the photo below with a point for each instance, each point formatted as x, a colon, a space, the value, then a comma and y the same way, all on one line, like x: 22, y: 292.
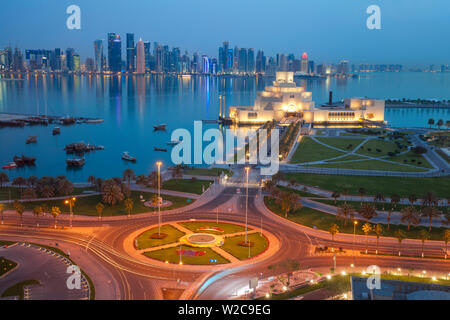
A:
x: 21, y: 120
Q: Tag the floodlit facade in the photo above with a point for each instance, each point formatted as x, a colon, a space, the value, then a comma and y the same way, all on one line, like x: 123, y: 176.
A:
x: 285, y: 99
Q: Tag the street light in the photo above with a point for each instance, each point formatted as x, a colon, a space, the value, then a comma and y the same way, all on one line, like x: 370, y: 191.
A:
x: 71, y: 203
x: 247, y: 169
x: 158, y: 164
x: 355, y: 222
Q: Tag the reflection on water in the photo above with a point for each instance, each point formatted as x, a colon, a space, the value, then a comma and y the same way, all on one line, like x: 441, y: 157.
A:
x: 131, y: 106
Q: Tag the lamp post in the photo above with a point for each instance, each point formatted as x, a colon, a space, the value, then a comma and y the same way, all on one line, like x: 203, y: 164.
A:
x: 71, y: 203
x: 355, y: 222
x: 158, y: 164
x: 247, y: 169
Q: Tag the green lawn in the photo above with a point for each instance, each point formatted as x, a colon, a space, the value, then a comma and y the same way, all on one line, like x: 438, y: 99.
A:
x: 86, y: 205
x: 232, y: 247
x: 373, y: 184
x: 195, y: 226
x: 348, y: 158
x: 213, y: 172
x: 6, y: 243
x: 408, y: 278
x: 11, y: 193
x: 299, y: 192
x: 144, y: 241
x: 342, y: 143
x: 186, y: 185
x: 18, y: 289
x: 369, y: 165
x: 6, y: 265
x: 412, y: 159
x: 171, y: 255
x: 374, y: 144
x: 309, y: 150
x: 321, y: 220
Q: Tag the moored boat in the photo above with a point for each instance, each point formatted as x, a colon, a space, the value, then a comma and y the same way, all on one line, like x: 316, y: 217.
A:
x: 11, y: 165
x: 160, y: 127
x: 56, y: 130
x: 173, y: 142
x: 160, y: 149
x: 24, y: 160
x: 127, y: 157
x: 31, y: 139
x: 75, y: 162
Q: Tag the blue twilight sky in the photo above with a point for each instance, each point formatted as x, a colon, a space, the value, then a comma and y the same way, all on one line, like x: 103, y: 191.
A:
x: 414, y: 32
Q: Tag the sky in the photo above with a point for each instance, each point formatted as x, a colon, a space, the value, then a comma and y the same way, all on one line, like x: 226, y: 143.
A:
x: 413, y: 32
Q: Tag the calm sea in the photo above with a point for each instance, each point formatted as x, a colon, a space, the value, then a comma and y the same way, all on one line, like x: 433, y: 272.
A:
x: 130, y: 107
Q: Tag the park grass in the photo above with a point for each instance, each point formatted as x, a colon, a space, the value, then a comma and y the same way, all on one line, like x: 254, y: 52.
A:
x: 408, y: 277
x: 323, y: 221
x: 231, y: 245
x: 194, y: 226
x: 186, y: 185
x: 6, y: 265
x: 373, y: 144
x: 409, y: 156
x: 403, y: 186
x: 299, y: 192
x: 369, y: 165
x: 11, y: 193
x: 143, y: 241
x: 17, y: 290
x: 349, y: 157
x: 86, y: 205
x: 171, y: 256
x: 6, y: 243
x: 309, y: 150
x: 212, y: 172
x: 342, y: 143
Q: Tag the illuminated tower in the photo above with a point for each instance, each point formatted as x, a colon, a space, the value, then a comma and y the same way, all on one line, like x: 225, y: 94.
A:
x: 304, y: 63
x: 140, y: 57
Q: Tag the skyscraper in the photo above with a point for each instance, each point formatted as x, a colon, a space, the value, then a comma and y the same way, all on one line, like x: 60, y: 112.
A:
x: 242, y: 62
x: 260, y: 62
x: 251, y: 60
x: 70, y: 53
x: 147, y: 55
x: 130, y: 52
x: 140, y: 57
x: 114, y: 52
x: 98, y: 54
x: 304, y: 63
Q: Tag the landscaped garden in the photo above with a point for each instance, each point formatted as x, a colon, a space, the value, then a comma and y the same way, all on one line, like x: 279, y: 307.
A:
x: 237, y: 248
x: 309, y: 150
x: 6, y: 265
x: 186, y: 185
x: 17, y: 290
x: 212, y: 227
x: 213, y: 172
x: 189, y: 255
x: 151, y: 238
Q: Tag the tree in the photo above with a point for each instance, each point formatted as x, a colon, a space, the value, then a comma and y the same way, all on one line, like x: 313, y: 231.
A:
x: 20, y: 208
x: 368, y: 211
x: 47, y: 191
x: 400, y: 235
x: 412, y: 198
x: 288, y: 201
x: 430, y: 122
x: 2, y: 208
x: 31, y: 181
x: 367, y: 228
x: 92, y: 180
x: 277, y: 177
x: 362, y: 192
x: 335, y: 195
x: 429, y: 199
x: 410, y: 215
x: 55, y: 212
x: 111, y: 193
x: 288, y: 266
x: 379, y: 198
x: 29, y: 193
x: 334, y: 229
x: 430, y: 213
x: 129, y: 175
x: 19, y: 182
x: 447, y: 124
x: 3, y: 179
x: 128, y: 205
x: 177, y: 172
x: 64, y: 187
x: 345, y: 212
x: 446, y: 238
x: 378, y: 232
x: 99, y: 207
x: 268, y: 186
x: 153, y: 179
x: 423, y: 236
x: 440, y: 123
x: 141, y: 180
x: 292, y: 182
x: 37, y: 211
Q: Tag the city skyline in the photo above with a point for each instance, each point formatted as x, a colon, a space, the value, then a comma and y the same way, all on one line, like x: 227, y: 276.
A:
x: 316, y: 32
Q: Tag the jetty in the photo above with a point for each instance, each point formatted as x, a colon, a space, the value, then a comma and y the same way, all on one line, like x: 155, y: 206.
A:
x: 21, y: 120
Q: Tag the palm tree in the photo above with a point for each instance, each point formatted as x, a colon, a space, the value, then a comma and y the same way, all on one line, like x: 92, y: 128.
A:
x: 56, y: 211
x: 20, y: 208
x: 2, y: 208
x: 177, y: 172
x: 410, y: 215
x: 129, y: 175
x: 334, y: 229
x: 141, y: 179
x: 430, y: 122
x: 446, y: 238
x: 395, y: 199
x: 429, y: 199
x: 32, y: 180
x: 335, y: 195
x: 47, y: 191
x: 440, y: 123
x: 64, y: 187
x: 29, y: 193
x: 430, y: 213
x: 92, y: 180
x: 285, y: 203
x: 379, y: 198
x: 20, y: 182
x: 112, y: 193
x: 99, y: 207
x: 423, y: 236
x: 368, y: 211
x: 367, y: 228
x: 400, y: 235
x: 128, y: 203
x: 153, y: 179
x: 447, y: 124
x: 37, y: 210
x: 378, y: 232
x: 362, y: 192
x: 412, y: 198
x: 3, y: 178
x: 345, y: 212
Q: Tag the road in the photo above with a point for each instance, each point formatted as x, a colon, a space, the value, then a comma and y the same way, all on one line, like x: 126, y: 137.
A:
x: 97, y: 247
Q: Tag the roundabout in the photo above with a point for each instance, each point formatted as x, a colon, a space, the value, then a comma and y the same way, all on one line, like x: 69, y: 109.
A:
x: 202, y: 240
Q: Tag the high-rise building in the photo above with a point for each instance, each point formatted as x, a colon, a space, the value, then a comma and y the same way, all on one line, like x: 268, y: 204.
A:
x: 147, y: 55
x: 251, y: 60
x: 140, y: 57
x: 70, y: 63
x: 114, y: 52
x: 343, y: 67
x: 242, y: 60
x: 260, y: 62
x: 130, y: 52
x: 223, y: 62
x: 311, y: 66
x: 205, y: 64
x: 98, y: 55
x: 304, y: 63
x: 76, y: 62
